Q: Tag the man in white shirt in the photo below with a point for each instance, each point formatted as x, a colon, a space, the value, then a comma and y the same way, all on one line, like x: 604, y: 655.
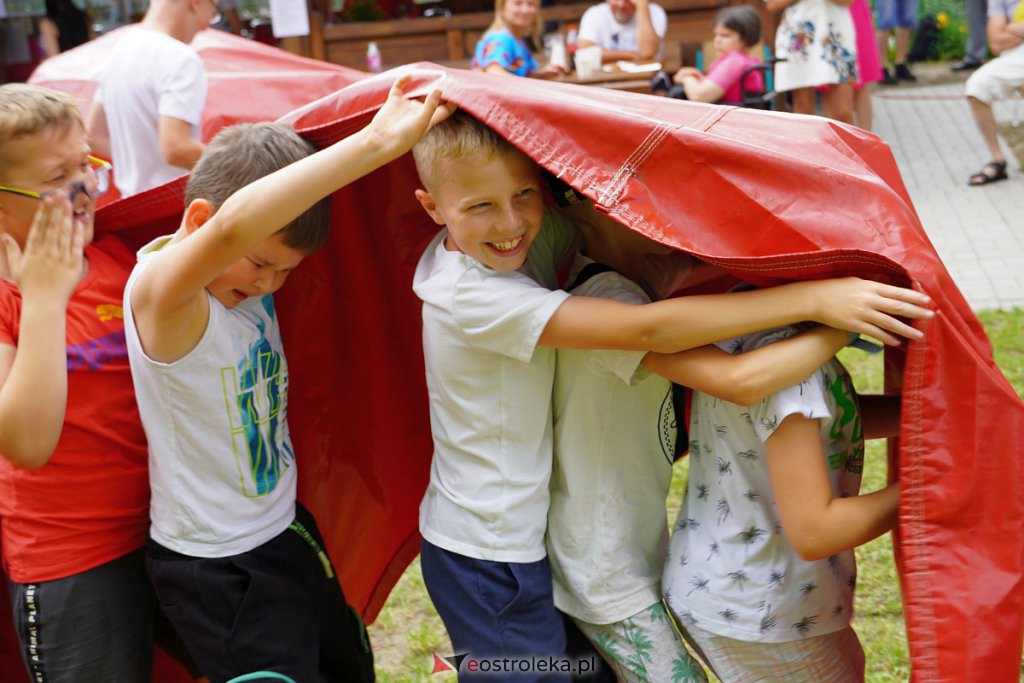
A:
x: 625, y: 29
x: 152, y: 92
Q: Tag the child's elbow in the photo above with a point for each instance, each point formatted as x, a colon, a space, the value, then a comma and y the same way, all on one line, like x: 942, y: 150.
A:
x: 743, y: 388
x: 809, y: 542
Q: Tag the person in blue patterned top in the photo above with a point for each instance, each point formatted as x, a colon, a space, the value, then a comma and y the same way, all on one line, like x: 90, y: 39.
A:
x: 503, y: 48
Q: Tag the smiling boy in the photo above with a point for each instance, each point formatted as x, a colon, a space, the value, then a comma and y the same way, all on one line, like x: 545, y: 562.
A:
x: 74, y: 492
x: 492, y: 317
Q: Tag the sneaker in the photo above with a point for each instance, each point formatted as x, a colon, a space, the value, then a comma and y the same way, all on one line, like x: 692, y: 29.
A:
x: 903, y: 73
x: 888, y: 78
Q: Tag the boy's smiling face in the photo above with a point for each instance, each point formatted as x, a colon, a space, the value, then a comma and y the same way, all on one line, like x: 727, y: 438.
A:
x: 47, y: 161
x: 492, y: 207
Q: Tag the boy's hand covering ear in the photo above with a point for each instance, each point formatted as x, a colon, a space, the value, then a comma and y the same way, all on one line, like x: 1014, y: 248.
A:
x: 401, y: 122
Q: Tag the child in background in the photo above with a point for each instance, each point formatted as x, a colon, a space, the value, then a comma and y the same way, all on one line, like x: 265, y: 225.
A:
x: 614, y: 445
x: 761, y: 571
x: 817, y: 44
x: 240, y: 570
x: 492, y: 317
x: 503, y: 48
x: 737, y: 29
x: 74, y: 492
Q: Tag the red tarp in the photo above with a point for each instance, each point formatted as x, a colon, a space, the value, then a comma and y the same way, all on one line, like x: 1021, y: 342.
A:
x: 769, y: 197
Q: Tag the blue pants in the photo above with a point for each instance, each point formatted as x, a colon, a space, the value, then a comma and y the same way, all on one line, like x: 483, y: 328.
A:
x: 495, y: 609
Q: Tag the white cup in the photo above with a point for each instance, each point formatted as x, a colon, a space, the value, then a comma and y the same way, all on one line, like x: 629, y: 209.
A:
x: 588, y: 61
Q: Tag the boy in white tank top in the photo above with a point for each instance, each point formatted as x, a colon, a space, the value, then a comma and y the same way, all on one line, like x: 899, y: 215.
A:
x: 241, y: 573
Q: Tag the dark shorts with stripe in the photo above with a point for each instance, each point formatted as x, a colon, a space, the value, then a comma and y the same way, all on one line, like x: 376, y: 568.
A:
x: 278, y: 607
x: 97, y: 625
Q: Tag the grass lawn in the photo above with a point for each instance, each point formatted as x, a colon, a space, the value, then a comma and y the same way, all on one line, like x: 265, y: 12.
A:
x: 408, y: 630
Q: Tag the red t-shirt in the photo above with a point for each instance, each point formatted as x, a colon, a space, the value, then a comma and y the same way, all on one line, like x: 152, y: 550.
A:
x: 90, y: 503
x: 727, y: 70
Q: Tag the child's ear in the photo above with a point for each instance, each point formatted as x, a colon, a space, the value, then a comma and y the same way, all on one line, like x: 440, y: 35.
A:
x: 426, y: 200
x: 196, y: 213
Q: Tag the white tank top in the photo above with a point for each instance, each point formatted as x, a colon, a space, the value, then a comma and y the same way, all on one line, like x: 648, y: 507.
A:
x: 221, y: 465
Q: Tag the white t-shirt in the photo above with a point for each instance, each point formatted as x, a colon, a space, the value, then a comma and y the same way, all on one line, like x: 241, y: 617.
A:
x: 599, y: 26
x: 221, y: 465
x: 614, y: 442
x: 730, y: 570
x: 148, y: 75
x: 490, y: 397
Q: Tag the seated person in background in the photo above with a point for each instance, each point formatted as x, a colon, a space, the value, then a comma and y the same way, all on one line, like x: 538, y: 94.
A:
x: 625, y: 29
x: 737, y: 29
x: 997, y: 80
x: 503, y: 49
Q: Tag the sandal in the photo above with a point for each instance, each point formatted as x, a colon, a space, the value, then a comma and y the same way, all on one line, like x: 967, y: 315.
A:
x: 989, y: 173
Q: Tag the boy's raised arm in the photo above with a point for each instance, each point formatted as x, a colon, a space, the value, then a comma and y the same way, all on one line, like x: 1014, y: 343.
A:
x: 746, y: 378
x: 686, y: 322
x: 265, y: 206
x: 33, y: 376
x: 816, y: 524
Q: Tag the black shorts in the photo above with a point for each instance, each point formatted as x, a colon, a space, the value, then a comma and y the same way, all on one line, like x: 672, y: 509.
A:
x: 278, y: 607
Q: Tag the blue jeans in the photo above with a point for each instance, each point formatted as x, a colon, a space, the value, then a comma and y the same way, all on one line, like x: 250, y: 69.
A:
x: 495, y: 609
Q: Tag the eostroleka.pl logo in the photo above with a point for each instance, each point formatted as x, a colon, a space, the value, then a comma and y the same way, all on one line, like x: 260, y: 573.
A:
x: 442, y: 664
x: 506, y: 665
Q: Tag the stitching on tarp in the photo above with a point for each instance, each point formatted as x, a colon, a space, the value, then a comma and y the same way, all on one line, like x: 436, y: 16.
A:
x: 632, y: 164
x: 710, y: 118
x: 805, y: 262
x: 545, y: 150
x: 917, y: 550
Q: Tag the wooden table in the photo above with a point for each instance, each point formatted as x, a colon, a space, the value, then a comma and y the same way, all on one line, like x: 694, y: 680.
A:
x: 630, y: 81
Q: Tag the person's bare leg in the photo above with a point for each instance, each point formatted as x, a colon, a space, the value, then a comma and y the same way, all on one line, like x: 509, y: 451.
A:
x: 838, y: 101
x: 987, y: 126
x: 863, y: 113
x: 902, y: 42
x: 803, y: 101
x: 883, y: 47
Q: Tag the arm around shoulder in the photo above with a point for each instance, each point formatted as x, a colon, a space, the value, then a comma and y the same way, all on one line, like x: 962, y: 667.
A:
x: 746, y: 378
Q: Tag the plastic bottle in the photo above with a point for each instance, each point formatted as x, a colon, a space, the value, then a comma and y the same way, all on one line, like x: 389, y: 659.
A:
x: 571, y: 38
x: 373, y: 60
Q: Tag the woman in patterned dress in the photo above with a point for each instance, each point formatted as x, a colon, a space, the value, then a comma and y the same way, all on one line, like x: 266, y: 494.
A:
x: 816, y: 38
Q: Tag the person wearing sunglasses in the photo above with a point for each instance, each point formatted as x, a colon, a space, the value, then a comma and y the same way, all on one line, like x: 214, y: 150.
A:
x: 149, y: 104
x: 74, y: 486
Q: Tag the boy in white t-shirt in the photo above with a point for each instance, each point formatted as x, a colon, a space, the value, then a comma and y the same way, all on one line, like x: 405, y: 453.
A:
x: 492, y: 317
x: 761, y: 571
x: 239, y: 568
x: 615, y: 442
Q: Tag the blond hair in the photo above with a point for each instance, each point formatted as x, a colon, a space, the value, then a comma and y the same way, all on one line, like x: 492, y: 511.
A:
x: 241, y: 154
x: 28, y: 109
x: 457, y: 138
x: 499, y: 21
